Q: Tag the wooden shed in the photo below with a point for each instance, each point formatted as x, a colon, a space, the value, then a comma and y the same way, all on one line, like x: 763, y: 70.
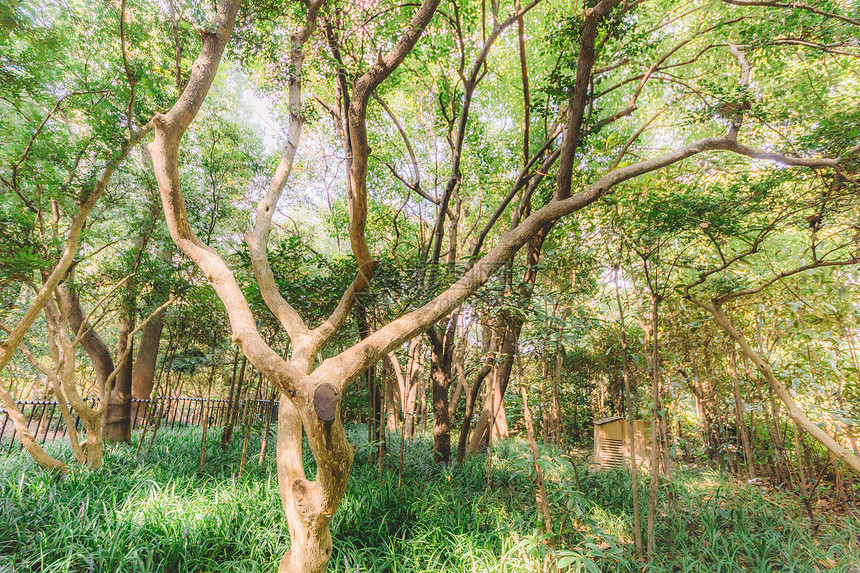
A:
x: 612, y: 445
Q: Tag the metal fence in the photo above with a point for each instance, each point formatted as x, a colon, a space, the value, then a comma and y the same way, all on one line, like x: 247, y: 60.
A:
x: 46, y: 422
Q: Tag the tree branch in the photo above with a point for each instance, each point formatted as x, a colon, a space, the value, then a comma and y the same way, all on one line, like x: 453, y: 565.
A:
x: 793, y: 5
x: 169, y: 129
x: 257, y: 237
x: 355, y: 360
x: 89, y: 196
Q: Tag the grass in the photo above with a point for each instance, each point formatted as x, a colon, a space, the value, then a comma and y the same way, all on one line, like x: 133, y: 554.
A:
x: 160, y: 514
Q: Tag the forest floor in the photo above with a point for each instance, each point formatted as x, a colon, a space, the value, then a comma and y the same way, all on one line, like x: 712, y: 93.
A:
x: 159, y: 513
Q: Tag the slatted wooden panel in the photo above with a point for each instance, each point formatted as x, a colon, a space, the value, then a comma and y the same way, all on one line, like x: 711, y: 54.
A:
x: 612, y: 442
x: 612, y: 453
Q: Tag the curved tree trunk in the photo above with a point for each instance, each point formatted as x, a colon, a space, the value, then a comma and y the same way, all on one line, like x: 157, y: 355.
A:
x: 98, y: 352
x: 471, y: 397
x: 103, y: 365
x: 115, y: 426
x: 509, y: 347
x: 494, y: 399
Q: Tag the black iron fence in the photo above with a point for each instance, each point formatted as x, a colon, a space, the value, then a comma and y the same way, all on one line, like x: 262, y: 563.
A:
x: 45, y: 420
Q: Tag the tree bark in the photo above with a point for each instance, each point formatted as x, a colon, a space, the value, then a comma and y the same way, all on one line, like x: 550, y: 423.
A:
x: 309, y: 506
x: 143, y: 376
x: 441, y: 363
x: 116, y: 422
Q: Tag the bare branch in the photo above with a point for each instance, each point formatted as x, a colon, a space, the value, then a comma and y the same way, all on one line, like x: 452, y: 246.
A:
x: 632, y: 139
x: 101, y: 301
x: 415, y: 185
x: 720, y: 300
x: 470, y: 84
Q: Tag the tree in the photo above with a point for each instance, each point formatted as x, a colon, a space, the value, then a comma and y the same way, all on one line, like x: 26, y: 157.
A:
x: 69, y: 130
x: 615, y: 57
x: 311, y: 395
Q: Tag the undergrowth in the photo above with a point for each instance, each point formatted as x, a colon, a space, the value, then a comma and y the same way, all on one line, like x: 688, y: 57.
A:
x: 159, y: 513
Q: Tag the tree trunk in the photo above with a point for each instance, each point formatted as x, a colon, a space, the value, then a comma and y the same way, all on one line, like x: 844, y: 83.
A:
x: 493, y: 409
x: 205, y: 420
x: 470, y: 407
x: 143, y: 376
x: 441, y: 362
x: 413, y: 369
x: 116, y: 422
x: 265, y: 442
x: 96, y: 349
x: 441, y: 424
x: 401, y: 386
x: 233, y: 406
x: 392, y: 395
x: 309, y: 506
x: 250, y: 407
x: 740, y: 417
x: 655, y: 424
x: 783, y: 468
x: 556, y: 418
x: 375, y: 431
x: 631, y: 431
x: 510, y: 345
x: 422, y: 406
x: 456, y: 390
x: 462, y: 384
